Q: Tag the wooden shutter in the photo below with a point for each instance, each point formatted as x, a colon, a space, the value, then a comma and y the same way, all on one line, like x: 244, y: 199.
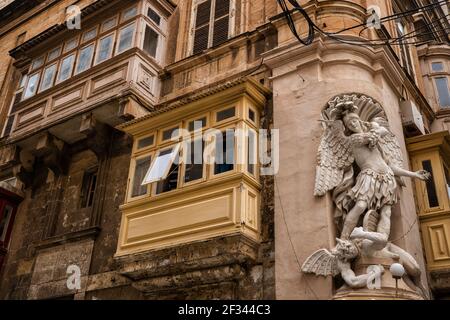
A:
x: 221, y: 21
x: 202, y: 22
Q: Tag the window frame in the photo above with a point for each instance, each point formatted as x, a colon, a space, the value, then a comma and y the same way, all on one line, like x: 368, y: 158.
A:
x: 438, y: 97
x: 71, y: 53
x: 86, y: 45
x: 39, y: 72
x: 4, y: 244
x: 231, y: 25
x: 131, y: 177
x: 111, y: 50
x: 227, y: 120
x: 212, y: 166
x: 83, y: 41
x: 119, y: 37
x: 56, y: 64
x: 204, y: 177
x: 137, y: 150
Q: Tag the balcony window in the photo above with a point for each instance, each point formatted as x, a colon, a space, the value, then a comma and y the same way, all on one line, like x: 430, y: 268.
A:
x: 48, y: 77
x: 126, y: 37
x: 53, y: 54
x: 251, y: 151
x: 224, y: 154
x: 150, y: 41
x: 140, y: 170
x: 109, y: 24
x: 431, y: 186
x: 65, y: 70
x: 105, y: 48
x: 198, y: 197
x: 162, y: 165
x: 32, y: 85
x: 443, y: 91
x: 70, y: 45
x: 85, y: 58
x: 129, y: 13
x: 194, y: 166
x: 39, y: 62
x: 154, y: 16
x: 89, y: 35
x: 80, y: 53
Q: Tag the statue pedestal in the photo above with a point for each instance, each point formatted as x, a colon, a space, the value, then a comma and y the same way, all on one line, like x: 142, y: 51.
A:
x: 387, y: 290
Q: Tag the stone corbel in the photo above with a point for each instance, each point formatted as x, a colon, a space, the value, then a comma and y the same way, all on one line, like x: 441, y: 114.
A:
x: 9, y: 156
x: 98, y: 134
x: 51, y: 154
x: 130, y: 109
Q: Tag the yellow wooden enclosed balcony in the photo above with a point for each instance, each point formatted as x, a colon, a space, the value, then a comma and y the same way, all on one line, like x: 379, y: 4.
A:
x: 171, y: 202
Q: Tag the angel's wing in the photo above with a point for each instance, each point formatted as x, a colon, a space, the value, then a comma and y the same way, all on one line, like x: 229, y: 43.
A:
x: 389, y: 145
x: 334, y: 155
x: 321, y: 263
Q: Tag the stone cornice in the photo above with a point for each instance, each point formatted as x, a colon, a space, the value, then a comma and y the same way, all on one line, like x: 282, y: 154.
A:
x: 376, y: 60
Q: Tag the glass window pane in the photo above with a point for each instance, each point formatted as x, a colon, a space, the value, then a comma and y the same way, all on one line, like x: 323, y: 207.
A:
x: 85, y: 58
x: 224, y: 157
x: 194, y: 161
x: 447, y: 178
x: 32, y: 86
x: 431, y: 186
x: 39, y: 62
x: 170, y: 133
x: 251, y: 115
x: 71, y: 44
x: 109, y: 24
x: 89, y: 35
x: 437, y: 66
x: 171, y: 182
x: 150, y: 41
x: 197, y: 124
x: 140, y: 170
x: 4, y: 223
x: 225, y: 114
x: 251, y: 151
x: 154, y: 16
x: 23, y: 81
x: 52, y: 55
x: 129, y: 13
x: 65, y: 70
x: 126, y: 38
x: 105, y: 48
x: 146, y: 142
x: 48, y: 77
x: 160, y: 167
x: 443, y: 91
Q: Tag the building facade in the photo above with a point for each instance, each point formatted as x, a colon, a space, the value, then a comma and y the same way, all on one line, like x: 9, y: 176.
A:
x: 100, y: 99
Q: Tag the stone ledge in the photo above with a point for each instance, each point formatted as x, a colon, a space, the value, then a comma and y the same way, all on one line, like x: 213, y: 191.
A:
x: 440, y: 281
x: 216, y: 260
x: 90, y: 233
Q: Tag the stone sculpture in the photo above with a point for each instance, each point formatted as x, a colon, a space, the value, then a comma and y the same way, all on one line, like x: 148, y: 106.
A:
x: 360, y: 163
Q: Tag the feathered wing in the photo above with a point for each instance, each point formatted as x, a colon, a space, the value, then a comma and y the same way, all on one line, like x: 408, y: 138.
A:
x: 334, y: 155
x: 390, y: 148
x: 321, y: 263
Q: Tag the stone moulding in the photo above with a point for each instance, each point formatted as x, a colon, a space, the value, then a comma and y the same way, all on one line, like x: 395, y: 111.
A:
x: 203, y: 262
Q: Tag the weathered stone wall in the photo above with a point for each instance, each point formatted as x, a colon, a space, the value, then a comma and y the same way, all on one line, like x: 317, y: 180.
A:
x: 37, y: 261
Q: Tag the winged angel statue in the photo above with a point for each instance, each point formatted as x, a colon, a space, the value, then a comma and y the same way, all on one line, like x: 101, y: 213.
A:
x: 360, y: 162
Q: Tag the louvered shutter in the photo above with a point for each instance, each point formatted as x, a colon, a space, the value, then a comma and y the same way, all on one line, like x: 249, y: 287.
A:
x: 221, y: 21
x: 202, y: 22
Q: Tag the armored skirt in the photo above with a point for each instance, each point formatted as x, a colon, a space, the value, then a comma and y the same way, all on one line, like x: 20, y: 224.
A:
x: 376, y: 189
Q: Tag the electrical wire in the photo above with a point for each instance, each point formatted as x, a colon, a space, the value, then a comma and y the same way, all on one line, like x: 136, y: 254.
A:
x: 312, y: 27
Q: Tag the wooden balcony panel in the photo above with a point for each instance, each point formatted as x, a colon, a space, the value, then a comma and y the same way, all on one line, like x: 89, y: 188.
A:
x: 97, y: 90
